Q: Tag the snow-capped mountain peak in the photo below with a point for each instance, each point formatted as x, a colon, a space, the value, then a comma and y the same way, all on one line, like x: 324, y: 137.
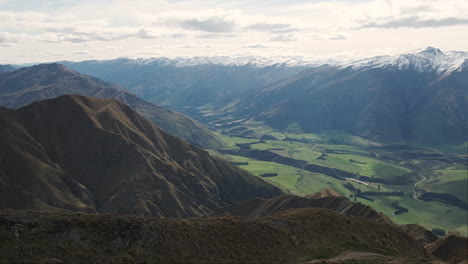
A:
x: 427, y: 60
x: 432, y: 51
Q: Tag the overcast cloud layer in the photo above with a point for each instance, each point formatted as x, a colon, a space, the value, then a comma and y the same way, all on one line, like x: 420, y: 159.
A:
x: 41, y: 31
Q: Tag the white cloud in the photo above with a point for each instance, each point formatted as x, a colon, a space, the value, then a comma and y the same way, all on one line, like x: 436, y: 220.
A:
x: 416, y: 22
x: 211, y: 24
x: 8, y: 38
x: 284, y: 37
x: 317, y: 28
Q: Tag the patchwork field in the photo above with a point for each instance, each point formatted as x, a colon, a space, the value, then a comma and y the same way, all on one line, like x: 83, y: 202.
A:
x: 382, y: 170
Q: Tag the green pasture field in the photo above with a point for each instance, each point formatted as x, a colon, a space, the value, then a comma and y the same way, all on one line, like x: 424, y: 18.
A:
x: 365, y: 162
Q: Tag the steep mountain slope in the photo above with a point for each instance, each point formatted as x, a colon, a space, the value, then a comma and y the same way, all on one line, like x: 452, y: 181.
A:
x: 420, y: 97
x: 29, y: 179
x: 45, y: 81
x: 262, y: 207
x: 191, y: 85
x: 290, y: 237
x: 84, y: 154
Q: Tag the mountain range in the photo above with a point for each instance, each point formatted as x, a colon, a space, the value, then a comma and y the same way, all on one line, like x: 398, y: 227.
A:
x: 190, y: 85
x: 416, y: 97
x: 30, y: 84
x: 93, y: 155
x: 90, y: 172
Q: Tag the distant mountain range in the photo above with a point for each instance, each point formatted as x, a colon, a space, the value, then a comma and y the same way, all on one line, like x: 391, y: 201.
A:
x: 30, y: 84
x: 76, y: 153
x: 414, y: 97
x: 190, y: 85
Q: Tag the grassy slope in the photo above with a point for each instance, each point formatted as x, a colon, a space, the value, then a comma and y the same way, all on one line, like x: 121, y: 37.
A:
x: 290, y: 179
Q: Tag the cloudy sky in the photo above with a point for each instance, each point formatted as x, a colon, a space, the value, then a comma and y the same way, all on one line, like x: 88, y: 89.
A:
x: 54, y: 30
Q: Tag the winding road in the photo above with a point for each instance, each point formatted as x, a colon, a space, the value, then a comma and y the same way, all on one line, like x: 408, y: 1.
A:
x: 414, y: 188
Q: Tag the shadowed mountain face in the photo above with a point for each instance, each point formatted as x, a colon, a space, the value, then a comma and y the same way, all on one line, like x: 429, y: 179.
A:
x: 85, y: 154
x: 388, y: 104
x: 46, y: 81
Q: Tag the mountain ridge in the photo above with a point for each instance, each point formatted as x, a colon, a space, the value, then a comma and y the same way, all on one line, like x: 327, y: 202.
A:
x: 271, y: 206
x: 292, y: 236
x: 106, y: 158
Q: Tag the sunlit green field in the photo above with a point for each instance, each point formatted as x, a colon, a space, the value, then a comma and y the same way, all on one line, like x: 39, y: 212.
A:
x: 290, y: 179
x: 367, y: 166
x: 450, y: 180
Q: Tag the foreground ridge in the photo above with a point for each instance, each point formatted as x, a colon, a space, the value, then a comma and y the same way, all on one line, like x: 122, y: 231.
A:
x: 291, y: 236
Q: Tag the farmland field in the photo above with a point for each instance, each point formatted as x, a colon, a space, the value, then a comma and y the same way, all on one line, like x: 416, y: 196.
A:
x: 367, y: 161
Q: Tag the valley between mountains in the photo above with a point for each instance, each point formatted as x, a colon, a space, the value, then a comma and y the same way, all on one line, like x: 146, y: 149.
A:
x: 213, y: 160
x: 374, y: 126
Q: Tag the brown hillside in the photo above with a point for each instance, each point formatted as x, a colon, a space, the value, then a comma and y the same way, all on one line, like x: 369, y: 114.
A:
x: 419, y: 233
x: 262, y: 207
x: 289, y: 237
x: 46, y: 81
x: 323, y: 193
x: 85, y: 154
x: 452, y: 248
